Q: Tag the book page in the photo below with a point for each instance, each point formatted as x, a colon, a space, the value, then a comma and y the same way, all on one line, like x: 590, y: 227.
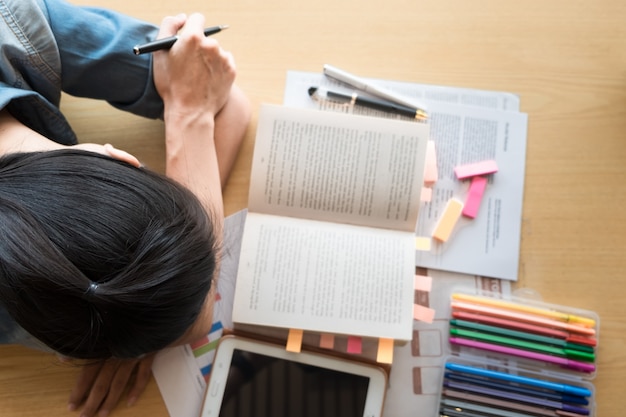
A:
x: 339, y: 168
x: 467, y: 126
x: 325, y: 277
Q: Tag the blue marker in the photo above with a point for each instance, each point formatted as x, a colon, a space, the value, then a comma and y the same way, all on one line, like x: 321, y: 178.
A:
x: 569, y: 389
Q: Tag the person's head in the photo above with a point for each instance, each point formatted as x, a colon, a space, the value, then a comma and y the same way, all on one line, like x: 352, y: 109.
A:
x: 99, y: 258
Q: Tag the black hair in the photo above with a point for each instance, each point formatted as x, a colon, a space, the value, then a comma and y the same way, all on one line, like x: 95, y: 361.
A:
x: 98, y: 258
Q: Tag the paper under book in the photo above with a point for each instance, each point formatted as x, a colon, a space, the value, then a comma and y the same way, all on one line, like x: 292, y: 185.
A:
x: 328, y: 243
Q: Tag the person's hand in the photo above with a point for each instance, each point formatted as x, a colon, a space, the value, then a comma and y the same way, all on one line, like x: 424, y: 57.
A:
x: 101, y: 385
x: 196, y: 75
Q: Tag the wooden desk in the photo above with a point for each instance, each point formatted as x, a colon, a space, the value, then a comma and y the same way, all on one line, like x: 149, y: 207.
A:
x: 565, y: 58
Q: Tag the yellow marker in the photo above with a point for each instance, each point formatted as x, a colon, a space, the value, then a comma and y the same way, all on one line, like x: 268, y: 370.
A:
x: 507, y: 305
x: 294, y: 340
x: 385, y: 350
x: 448, y: 220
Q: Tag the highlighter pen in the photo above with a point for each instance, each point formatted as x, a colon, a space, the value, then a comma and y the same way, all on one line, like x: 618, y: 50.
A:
x: 318, y: 93
x: 562, y: 343
x: 477, y: 408
x: 518, y: 379
x: 364, y: 85
x: 508, y: 404
x: 527, y: 327
x: 167, y: 43
x: 568, y: 363
x: 523, y: 344
x: 522, y: 317
x: 511, y: 387
x: 528, y: 399
x: 507, y: 305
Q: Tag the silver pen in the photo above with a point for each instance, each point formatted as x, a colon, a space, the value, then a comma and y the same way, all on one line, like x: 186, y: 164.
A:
x: 364, y: 85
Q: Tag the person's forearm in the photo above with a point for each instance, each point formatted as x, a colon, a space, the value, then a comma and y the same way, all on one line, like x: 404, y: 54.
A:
x: 231, y: 124
x: 191, y: 157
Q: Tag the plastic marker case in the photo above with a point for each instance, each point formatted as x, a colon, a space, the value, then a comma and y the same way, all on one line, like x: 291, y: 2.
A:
x: 517, y: 356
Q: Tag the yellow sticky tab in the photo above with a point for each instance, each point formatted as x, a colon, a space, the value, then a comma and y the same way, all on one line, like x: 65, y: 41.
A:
x: 423, y: 283
x: 327, y: 341
x: 385, y: 350
x: 422, y: 243
x: 294, y: 340
x: 448, y: 220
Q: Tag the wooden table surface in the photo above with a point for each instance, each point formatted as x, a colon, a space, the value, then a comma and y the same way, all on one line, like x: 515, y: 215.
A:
x: 565, y: 58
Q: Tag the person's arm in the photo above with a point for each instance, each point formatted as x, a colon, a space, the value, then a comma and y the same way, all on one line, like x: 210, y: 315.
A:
x: 205, y: 122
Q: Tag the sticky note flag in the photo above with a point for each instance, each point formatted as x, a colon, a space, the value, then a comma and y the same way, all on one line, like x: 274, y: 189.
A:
x: 354, y: 344
x: 448, y: 220
x: 421, y: 313
x: 475, y: 169
x: 423, y: 283
x: 426, y: 195
x: 385, y: 350
x: 431, y: 174
x: 327, y: 341
x: 422, y: 243
x: 474, y: 197
x: 294, y: 340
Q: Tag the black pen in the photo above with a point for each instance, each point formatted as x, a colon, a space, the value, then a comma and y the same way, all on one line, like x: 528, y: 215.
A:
x: 166, y: 43
x: 372, y: 103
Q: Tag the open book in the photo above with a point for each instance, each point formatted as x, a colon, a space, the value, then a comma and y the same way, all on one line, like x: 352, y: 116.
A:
x: 329, y: 243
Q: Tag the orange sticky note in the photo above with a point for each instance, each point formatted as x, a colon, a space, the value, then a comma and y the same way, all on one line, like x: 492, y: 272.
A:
x: 421, y: 313
x: 431, y: 174
x: 354, y: 344
x: 423, y: 283
x: 385, y: 350
x: 294, y: 340
x: 448, y: 220
x: 327, y: 341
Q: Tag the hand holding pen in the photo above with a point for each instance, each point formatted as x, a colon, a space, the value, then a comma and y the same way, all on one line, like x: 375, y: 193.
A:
x: 167, y: 43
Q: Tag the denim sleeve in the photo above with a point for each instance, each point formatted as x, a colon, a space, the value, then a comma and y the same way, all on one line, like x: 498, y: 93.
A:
x: 97, y: 59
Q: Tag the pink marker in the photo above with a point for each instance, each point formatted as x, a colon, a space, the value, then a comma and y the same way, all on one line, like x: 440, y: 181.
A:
x: 568, y: 363
x: 474, y: 197
x: 476, y: 169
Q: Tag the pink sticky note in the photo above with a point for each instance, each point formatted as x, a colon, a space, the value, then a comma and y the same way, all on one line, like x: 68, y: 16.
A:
x: 475, y: 169
x: 474, y: 197
x: 430, y: 167
x: 422, y: 313
x: 423, y: 283
x: 327, y: 341
x: 427, y: 195
x: 354, y: 344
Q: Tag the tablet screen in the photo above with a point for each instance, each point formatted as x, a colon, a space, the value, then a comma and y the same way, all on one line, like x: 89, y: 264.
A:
x: 263, y: 386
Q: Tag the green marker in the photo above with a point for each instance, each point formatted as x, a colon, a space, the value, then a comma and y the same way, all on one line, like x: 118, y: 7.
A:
x: 522, y: 344
x: 516, y: 334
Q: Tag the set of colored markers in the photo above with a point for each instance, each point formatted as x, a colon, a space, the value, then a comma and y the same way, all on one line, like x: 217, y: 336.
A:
x: 510, y: 328
x: 530, y: 359
x: 477, y: 391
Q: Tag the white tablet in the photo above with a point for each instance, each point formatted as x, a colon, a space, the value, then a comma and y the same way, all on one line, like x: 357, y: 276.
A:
x: 254, y: 378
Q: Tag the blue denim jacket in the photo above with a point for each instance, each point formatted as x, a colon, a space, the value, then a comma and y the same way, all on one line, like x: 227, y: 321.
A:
x: 49, y: 46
